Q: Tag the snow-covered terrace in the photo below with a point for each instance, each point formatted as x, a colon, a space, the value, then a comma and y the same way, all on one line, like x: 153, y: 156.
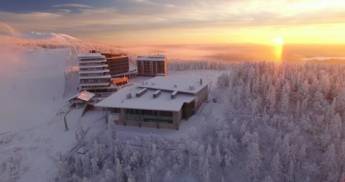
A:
x: 93, y: 66
x: 93, y: 71
x: 91, y: 61
x: 94, y: 77
x: 94, y: 84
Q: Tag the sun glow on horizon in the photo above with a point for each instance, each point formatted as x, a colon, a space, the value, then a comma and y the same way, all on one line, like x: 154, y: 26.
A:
x: 278, y: 48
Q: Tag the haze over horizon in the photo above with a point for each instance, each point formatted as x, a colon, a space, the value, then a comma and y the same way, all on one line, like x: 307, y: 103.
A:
x: 218, y: 23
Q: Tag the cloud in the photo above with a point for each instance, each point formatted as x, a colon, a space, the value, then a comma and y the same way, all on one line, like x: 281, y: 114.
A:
x: 72, y: 5
x: 7, y: 30
x: 95, y: 17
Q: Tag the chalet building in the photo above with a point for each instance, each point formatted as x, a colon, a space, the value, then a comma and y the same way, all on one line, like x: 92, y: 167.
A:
x: 151, y: 65
x: 118, y: 64
x: 94, y: 74
x: 160, y: 102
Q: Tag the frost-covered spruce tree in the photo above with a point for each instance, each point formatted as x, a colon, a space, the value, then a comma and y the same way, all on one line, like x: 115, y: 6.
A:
x: 253, y: 161
x: 277, y: 168
x: 330, y: 164
x: 267, y: 179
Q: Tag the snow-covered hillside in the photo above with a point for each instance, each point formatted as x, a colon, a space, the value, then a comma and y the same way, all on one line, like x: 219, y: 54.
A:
x: 32, y: 82
x: 262, y: 122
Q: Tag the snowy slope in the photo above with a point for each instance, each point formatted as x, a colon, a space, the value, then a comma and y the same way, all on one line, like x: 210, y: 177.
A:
x: 32, y: 81
x: 31, y: 124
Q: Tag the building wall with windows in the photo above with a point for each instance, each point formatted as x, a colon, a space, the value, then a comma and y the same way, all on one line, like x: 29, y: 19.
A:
x: 151, y: 65
x: 93, y: 73
x: 117, y: 64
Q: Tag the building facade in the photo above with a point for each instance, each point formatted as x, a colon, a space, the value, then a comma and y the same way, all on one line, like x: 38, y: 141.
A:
x: 160, y: 102
x: 118, y: 64
x: 151, y: 65
x: 94, y: 74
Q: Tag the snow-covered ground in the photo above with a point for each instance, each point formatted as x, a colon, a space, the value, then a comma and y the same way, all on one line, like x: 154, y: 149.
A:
x: 32, y: 82
x: 262, y: 122
x: 35, y: 83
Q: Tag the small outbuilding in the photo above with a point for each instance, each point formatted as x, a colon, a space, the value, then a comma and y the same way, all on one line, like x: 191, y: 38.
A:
x: 82, y: 98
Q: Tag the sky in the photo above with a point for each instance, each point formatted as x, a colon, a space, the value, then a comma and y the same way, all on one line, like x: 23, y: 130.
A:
x: 141, y: 22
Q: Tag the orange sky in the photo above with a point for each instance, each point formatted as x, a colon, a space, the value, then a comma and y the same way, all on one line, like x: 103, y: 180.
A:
x: 187, y: 22
x: 194, y: 22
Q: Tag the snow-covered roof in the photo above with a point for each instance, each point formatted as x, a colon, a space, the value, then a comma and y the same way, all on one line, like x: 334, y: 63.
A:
x: 127, y: 98
x: 167, y: 93
x: 84, y: 96
x: 180, y: 83
x: 151, y: 58
x: 90, y: 56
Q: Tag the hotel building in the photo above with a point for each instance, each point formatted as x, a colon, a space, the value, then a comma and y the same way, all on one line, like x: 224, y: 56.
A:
x: 94, y: 74
x: 154, y: 65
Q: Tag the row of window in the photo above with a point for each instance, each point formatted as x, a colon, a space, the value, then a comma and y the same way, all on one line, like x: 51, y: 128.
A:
x: 148, y: 67
x: 148, y: 119
x: 92, y: 59
x: 90, y: 64
x: 91, y: 69
x: 149, y: 112
x: 95, y: 81
x: 93, y: 74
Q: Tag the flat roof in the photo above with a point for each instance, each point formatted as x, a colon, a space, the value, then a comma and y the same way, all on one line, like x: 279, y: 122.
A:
x: 90, y: 55
x: 184, y: 87
x: 146, y: 101
x: 151, y: 58
x: 185, y: 84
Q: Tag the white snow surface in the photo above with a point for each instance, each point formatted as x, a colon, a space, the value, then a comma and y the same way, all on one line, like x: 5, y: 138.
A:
x: 31, y: 129
x: 32, y: 81
x: 146, y: 101
x: 186, y: 83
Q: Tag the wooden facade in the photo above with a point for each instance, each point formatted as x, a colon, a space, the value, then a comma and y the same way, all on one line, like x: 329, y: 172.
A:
x: 117, y: 64
x: 151, y: 66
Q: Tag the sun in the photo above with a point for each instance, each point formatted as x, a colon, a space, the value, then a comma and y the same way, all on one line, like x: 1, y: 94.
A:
x: 279, y: 41
x: 278, y: 48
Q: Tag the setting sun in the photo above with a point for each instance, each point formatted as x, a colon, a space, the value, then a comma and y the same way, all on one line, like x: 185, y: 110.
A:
x: 278, y: 48
x: 279, y: 41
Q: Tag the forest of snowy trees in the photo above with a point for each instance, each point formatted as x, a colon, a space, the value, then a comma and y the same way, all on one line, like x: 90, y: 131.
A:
x: 280, y: 123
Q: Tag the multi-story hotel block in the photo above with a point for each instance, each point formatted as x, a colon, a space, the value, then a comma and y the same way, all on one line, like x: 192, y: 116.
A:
x: 118, y: 64
x: 94, y: 74
x: 151, y: 65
